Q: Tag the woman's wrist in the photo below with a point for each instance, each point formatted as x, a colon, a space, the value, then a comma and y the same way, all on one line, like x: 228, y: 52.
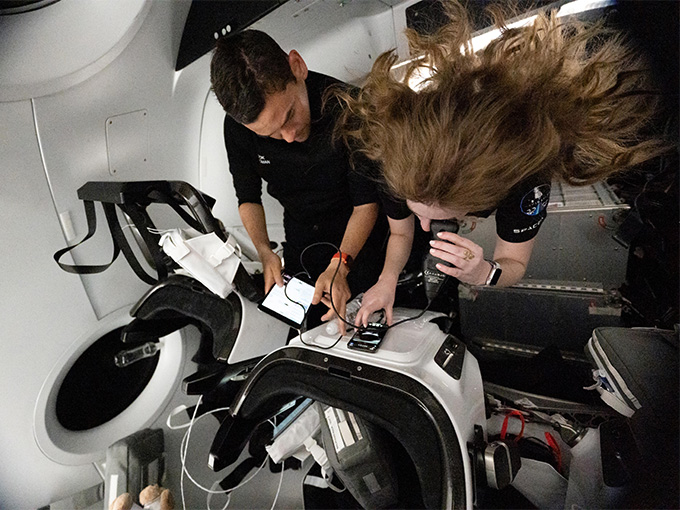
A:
x: 389, y: 278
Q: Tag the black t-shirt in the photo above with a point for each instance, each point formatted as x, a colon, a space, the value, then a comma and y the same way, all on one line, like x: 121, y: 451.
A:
x: 313, y: 179
x: 521, y: 213
x: 518, y: 217
x: 316, y: 185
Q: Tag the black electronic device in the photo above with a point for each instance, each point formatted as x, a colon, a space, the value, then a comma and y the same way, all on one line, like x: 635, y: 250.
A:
x: 433, y: 277
x: 368, y: 339
x: 290, y: 302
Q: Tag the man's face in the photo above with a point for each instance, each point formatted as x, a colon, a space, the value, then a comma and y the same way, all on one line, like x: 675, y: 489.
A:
x: 427, y: 213
x: 285, y: 115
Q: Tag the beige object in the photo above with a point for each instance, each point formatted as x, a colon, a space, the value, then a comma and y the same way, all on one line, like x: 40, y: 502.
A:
x: 148, y: 496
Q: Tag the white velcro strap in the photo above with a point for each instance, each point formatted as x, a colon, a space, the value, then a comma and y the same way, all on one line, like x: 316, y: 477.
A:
x: 320, y: 457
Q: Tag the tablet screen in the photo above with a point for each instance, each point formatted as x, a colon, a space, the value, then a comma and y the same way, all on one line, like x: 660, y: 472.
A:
x: 290, y: 302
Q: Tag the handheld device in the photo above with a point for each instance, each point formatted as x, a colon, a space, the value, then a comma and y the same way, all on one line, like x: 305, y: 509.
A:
x: 434, y: 278
x: 368, y: 339
x: 291, y: 302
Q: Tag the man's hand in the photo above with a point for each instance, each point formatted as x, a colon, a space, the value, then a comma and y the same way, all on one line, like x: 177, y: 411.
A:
x: 341, y: 292
x: 252, y: 217
x: 271, y: 268
x: 378, y: 297
x: 466, y: 257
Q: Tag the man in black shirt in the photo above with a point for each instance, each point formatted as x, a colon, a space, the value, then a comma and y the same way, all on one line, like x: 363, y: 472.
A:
x: 278, y: 130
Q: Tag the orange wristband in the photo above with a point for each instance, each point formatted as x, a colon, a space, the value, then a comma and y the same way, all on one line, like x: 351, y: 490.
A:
x: 346, y: 259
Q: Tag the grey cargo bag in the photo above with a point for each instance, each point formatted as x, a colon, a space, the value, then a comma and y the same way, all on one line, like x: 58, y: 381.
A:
x: 359, y: 457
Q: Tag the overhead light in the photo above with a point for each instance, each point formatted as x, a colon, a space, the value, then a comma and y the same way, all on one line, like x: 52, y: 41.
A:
x: 481, y: 41
x: 576, y: 7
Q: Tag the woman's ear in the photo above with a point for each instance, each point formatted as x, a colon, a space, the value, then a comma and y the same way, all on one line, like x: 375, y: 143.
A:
x: 297, y: 65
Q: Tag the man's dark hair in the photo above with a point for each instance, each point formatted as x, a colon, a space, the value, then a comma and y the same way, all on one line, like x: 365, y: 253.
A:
x: 245, y: 68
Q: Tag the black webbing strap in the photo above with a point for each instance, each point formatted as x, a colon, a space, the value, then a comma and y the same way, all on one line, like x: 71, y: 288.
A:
x: 161, y: 197
x: 133, y: 199
x: 91, y: 215
x: 233, y: 479
x: 120, y: 243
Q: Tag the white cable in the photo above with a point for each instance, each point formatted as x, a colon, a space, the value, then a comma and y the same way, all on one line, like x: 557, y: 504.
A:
x: 216, y: 483
x: 278, y: 490
x: 184, y: 446
x: 320, y: 457
x: 174, y: 413
x: 183, y: 455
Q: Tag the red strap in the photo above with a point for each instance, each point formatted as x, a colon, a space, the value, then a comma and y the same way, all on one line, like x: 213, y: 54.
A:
x: 555, y: 450
x: 504, y: 428
x: 346, y: 258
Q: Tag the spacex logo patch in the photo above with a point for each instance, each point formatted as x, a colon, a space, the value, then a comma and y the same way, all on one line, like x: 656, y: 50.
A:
x: 536, y: 200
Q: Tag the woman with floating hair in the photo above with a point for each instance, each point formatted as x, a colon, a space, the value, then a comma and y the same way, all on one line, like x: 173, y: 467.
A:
x: 489, y: 130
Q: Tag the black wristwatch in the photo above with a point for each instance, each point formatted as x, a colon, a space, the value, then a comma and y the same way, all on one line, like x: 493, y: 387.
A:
x: 494, y: 274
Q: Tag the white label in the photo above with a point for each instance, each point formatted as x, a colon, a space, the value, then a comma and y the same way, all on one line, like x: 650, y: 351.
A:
x: 333, y: 427
x: 357, y: 430
x: 346, y: 433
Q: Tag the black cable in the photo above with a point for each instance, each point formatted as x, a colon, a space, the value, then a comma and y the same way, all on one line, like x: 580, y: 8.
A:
x: 416, y: 316
x: 320, y: 243
x: 304, y: 321
x: 317, y: 346
x: 343, y: 319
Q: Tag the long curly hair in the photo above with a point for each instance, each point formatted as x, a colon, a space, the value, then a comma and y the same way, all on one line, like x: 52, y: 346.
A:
x: 564, y: 99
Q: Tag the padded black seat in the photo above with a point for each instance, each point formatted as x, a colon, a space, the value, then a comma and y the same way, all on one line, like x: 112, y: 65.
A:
x: 640, y: 368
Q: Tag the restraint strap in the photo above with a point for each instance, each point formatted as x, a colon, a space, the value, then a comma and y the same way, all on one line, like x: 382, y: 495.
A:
x: 504, y: 428
x: 91, y: 215
x: 173, y: 202
x: 120, y: 241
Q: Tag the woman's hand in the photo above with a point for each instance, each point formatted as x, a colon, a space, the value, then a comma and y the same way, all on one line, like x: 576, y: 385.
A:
x: 466, y: 257
x: 378, y: 297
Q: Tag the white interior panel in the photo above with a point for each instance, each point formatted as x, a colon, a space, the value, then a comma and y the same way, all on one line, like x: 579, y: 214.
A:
x: 127, y: 142
x: 42, y: 311
x: 53, y: 48
x: 73, y: 131
x: 337, y: 38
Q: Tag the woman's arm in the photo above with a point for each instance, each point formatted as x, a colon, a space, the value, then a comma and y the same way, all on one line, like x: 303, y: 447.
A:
x: 381, y: 295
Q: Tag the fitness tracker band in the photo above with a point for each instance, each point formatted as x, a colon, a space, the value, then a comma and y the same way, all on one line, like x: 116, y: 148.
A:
x: 494, y: 274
